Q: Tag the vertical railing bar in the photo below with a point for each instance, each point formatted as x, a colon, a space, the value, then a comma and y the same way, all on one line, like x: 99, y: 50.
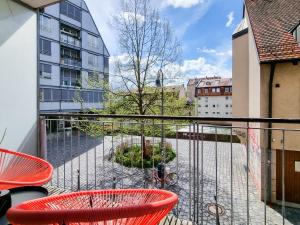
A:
x: 87, y: 160
x: 122, y: 165
x: 71, y: 152
x: 216, y: 159
x: 247, y: 152
x: 95, y: 156
x: 51, y: 142
x: 265, y: 184
x: 197, y: 175
x: 64, y: 159
x: 231, y: 177
x: 103, y: 155
x: 283, y: 177
x: 142, y: 144
x: 177, y: 162
x: 57, y: 156
x: 202, y: 174
x: 190, y: 175
x: 194, y: 172
x: 113, y: 155
x: 79, y: 147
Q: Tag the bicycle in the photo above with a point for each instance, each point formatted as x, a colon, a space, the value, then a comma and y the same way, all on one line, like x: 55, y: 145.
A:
x: 170, y: 179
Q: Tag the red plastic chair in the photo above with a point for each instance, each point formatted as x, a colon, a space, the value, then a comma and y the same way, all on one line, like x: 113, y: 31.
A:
x: 18, y: 170
x: 132, y: 206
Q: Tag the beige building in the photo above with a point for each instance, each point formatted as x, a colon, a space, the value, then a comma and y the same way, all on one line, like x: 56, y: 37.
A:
x: 266, y: 84
x: 213, y: 97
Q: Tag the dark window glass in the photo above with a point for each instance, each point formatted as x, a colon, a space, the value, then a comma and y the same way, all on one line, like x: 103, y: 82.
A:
x: 63, y: 8
x: 65, y: 95
x: 70, y: 11
x: 45, y: 47
x: 106, y: 65
x: 91, y: 97
x: 84, y: 96
x: 56, y: 95
x: 47, y: 95
x: 96, y: 97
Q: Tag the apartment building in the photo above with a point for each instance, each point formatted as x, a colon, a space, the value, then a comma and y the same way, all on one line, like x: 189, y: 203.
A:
x: 213, y: 97
x: 72, y: 57
x: 266, y: 75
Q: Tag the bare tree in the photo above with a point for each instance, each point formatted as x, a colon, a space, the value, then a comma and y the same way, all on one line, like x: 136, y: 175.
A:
x: 147, y: 45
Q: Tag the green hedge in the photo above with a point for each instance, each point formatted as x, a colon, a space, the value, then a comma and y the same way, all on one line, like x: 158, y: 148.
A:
x: 131, y: 156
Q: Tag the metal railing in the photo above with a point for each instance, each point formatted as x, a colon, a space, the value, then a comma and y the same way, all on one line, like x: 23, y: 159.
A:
x: 223, y: 174
x: 70, y: 40
x: 71, y: 62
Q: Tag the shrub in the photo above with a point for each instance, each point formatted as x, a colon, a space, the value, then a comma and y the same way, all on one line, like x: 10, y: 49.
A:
x: 131, y: 156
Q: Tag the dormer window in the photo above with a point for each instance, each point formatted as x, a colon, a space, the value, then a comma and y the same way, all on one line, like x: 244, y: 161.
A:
x: 296, y: 33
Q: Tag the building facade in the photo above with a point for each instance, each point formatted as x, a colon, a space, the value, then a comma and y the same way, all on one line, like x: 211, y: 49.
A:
x: 73, y: 59
x: 266, y: 75
x: 214, y: 97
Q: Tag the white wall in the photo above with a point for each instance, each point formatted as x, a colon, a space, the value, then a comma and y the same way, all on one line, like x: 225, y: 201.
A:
x: 214, y: 106
x: 18, y: 77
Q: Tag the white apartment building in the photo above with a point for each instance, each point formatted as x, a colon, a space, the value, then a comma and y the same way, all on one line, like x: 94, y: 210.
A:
x: 213, y: 97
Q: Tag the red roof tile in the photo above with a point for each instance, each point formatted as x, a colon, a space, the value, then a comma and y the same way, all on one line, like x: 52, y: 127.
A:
x: 272, y: 22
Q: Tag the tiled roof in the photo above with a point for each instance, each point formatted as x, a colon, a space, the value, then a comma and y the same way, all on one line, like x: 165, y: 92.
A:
x: 219, y: 82
x: 272, y: 22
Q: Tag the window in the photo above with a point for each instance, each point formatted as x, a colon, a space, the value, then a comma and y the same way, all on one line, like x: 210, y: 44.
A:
x: 45, y: 24
x: 206, y: 90
x: 213, y: 90
x: 56, y: 95
x: 206, y: 112
x: 71, y: 11
x: 218, y: 90
x: 296, y: 33
x: 93, y: 60
x: 227, y: 89
x: 45, y: 95
x: 214, y: 106
x: 45, y: 71
x: 70, y: 56
x: 106, y: 65
x: 226, y: 106
x: 93, y: 41
x: 206, y: 106
x: 45, y: 47
x: 226, y: 97
x: 91, y: 97
x: 70, y: 78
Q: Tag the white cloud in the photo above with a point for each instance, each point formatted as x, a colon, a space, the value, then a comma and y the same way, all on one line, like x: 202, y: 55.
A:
x: 182, y: 3
x: 216, y: 52
x: 230, y: 18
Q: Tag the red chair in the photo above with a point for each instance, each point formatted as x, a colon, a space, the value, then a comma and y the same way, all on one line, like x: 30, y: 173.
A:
x: 18, y: 170
x: 132, y: 206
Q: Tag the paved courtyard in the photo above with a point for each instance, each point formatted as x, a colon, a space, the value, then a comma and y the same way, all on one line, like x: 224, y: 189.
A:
x: 93, y: 165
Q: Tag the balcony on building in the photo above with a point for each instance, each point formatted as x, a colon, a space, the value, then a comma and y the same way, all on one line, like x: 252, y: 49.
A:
x: 70, y: 57
x: 70, y: 35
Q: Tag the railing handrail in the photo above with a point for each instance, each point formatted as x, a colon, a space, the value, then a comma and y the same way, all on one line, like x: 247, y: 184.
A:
x: 180, y: 118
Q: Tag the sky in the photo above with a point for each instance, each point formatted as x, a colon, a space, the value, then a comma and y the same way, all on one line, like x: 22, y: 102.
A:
x: 204, y: 28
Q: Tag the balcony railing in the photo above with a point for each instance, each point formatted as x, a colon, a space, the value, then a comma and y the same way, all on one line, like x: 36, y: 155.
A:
x: 70, y: 40
x: 71, y: 62
x: 221, y: 173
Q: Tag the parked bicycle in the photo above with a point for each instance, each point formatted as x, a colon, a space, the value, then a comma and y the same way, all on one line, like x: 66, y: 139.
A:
x: 156, y: 177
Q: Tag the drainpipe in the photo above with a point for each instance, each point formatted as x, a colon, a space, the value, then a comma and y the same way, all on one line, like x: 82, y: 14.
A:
x: 269, y: 184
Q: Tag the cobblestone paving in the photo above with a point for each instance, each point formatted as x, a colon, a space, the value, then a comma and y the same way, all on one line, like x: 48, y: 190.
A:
x: 91, y: 158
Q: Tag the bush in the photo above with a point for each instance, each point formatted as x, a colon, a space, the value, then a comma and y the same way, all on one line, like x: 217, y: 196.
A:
x: 131, y: 156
